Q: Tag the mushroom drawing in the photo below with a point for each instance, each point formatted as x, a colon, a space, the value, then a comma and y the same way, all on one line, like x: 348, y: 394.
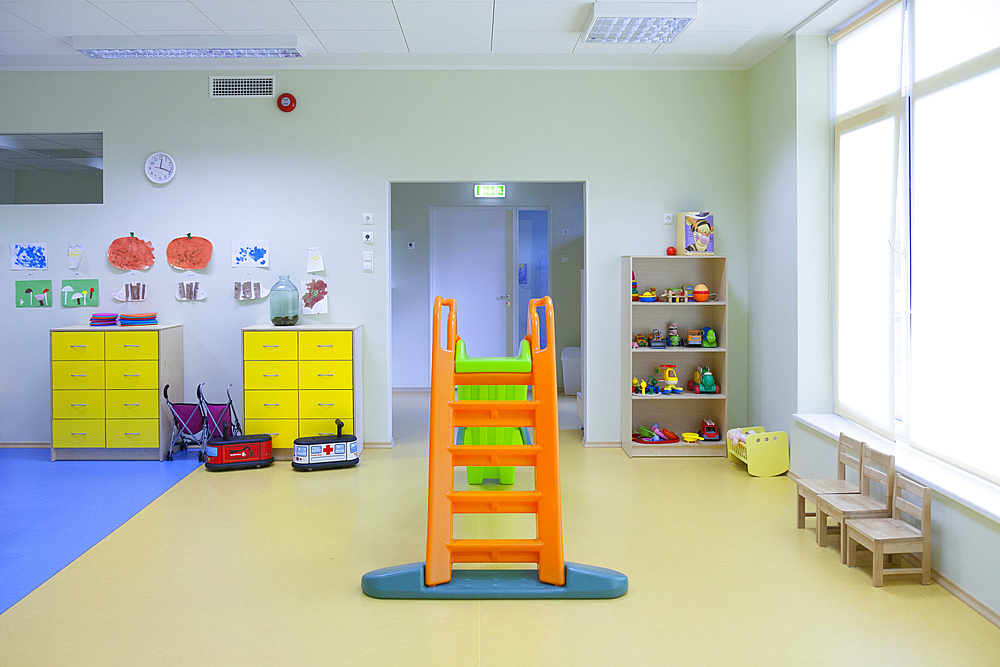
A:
x: 42, y: 297
x: 28, y: 292
x: 78, y: 296
x: 66, y: 290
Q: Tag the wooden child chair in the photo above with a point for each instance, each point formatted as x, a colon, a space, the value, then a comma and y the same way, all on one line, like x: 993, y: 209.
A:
x: 843, y: 506
x: 848, y: 456
x: 894, y: 535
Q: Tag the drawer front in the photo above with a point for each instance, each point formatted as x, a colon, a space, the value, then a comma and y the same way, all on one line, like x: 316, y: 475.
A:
x: 77, y: 345
x: 269, y: 345
x: 312, y: 427
x: 126, y: 404
x: 133, y: 433
x: 78, y: 404
x: 78, y: 433
x: 270, y: 374
x: 77, y: 374
x: 131, y: 374
x: 279, y: 404
x: 325, y: 375
x: 282, y: 431
x: 326, y: 404
x: 131, y: 344
x: 325, y: 345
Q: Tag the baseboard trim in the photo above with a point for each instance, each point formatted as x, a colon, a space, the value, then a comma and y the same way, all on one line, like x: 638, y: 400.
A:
x: 966, y: 597
x: 378, y: 445
x: 596, y: 445
x: 25, y: 445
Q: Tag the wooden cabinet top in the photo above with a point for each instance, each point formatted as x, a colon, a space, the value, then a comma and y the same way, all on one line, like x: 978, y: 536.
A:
x: 304, y: 327
x: 143, y: 327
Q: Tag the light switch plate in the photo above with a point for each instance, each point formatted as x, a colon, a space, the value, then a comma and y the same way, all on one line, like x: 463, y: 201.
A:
x: 367, y: 261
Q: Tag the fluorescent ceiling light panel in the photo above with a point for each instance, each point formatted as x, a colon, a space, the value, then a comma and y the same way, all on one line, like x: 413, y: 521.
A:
x: 190, y: 46
x: 638, y: 22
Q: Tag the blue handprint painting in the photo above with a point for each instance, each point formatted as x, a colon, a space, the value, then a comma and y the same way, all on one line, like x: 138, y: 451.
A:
x: 250, y: 253
x: 28, y: 256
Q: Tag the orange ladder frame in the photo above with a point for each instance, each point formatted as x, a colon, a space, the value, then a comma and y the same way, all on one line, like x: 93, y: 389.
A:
x: 540, y: 413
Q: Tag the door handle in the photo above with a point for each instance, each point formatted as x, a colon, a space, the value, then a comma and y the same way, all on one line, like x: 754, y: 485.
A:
x: 503, y: 298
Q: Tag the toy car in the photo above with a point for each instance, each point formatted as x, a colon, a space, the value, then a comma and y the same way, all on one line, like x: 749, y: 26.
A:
x: 656, y: 340
x: 640, y: 340
x: 694, y: 338
x: 708, y: 430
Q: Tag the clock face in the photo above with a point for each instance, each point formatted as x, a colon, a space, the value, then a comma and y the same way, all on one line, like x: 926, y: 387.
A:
x: 160, y: 167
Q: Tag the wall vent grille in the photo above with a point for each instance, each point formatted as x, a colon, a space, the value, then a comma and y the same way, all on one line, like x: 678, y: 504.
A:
x: 241, y: 86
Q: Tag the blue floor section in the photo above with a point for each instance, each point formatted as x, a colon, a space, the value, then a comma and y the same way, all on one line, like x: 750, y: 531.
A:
x: 53, y: 512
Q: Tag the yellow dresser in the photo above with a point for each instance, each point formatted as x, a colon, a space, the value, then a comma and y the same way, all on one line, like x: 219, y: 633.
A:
x: 106, y: 385
x: 297, y: 381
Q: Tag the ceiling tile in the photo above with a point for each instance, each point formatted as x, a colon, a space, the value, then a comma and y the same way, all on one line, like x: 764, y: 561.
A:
x: 445, y: 16
x: 312, y: 45
x: 32, y: 43
x: 706, y: 42
x: 441, y: 41
x: 535, y: 41
x: 10, y: 23
x: 65, y: 18
x: 362, y: 41
x: 735, y: 17
x: 154, y: 15
x: 343, y: 15
x: 533, y: 16
x: 261, y: 16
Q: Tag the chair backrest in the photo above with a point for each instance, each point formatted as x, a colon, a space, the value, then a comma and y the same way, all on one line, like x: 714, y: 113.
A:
x: 869, y: 458
x: 901, y: 505
x: 848, y: 455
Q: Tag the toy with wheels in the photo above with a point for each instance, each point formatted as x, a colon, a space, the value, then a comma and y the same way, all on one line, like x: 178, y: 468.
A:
x: 704, y: 382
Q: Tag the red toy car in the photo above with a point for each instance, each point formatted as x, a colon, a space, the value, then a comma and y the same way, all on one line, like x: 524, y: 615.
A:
x: 708, y: 430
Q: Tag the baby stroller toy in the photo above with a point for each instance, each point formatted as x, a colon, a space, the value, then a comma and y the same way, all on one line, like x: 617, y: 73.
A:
x: 226, y: 447
x: 188, y: 428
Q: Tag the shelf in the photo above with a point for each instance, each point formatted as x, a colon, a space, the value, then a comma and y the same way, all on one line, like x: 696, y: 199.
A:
x: 683, y: 349
x: 679, y: 305
x: 686, y: 396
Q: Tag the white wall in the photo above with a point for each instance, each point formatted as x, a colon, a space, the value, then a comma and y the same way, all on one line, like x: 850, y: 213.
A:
x: 646, y: 143
x: 410, y: 293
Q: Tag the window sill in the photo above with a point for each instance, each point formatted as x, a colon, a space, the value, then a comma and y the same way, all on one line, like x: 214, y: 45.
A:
x: 962, y: 487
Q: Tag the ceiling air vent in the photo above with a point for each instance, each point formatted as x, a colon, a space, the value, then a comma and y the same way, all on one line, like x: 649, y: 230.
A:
x: 241, y: 86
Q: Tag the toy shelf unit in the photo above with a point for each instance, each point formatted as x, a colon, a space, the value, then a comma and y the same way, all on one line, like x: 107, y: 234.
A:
x: 677, y: 412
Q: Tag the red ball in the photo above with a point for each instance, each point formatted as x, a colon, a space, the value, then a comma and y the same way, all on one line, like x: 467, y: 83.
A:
x: 671, y: 250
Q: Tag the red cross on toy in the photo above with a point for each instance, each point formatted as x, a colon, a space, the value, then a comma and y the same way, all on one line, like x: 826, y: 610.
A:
x: 328, y: 450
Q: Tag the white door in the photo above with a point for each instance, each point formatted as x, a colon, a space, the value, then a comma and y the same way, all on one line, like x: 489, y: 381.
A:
x: 470, y: 261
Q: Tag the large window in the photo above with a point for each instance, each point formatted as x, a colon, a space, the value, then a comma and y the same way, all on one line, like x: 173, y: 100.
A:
x: 917, y: 236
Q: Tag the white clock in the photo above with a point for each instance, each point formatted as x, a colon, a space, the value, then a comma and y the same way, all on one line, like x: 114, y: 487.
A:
x: 160, y: 167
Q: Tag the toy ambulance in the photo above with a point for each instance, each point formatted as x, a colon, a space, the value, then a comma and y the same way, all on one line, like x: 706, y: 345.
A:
x: 325, y: 451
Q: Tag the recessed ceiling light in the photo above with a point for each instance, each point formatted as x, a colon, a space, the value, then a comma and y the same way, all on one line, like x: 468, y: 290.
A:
x: 638, y: 22
x: 190, y: 46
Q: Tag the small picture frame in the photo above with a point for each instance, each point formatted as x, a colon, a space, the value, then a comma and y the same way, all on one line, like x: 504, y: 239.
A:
x: 696, y: 233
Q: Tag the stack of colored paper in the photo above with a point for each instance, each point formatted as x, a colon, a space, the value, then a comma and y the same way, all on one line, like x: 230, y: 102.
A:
x: 104, y: 319
x: 137, y: 319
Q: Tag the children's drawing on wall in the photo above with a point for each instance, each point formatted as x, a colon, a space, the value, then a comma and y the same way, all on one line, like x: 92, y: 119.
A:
x: 79, y: 292
x: 248, y: 290
x: 28, y: 256
x: 189, y: 252
x: 130, y: 253
x: 33, y: 294
x: 75, y: 254
x: 189, y: 290
x: 314, y: 260
x: 314, y: 296
x: 250, y: 253
x: 696, y: 233
x: 131, y: 292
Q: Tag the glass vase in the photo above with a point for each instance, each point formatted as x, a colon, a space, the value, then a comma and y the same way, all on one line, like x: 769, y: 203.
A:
x: 284, y: 301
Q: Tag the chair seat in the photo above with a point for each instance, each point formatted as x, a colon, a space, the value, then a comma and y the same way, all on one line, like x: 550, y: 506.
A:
x: 848, y: 504
x: 885, y: 529
x: 821, y: 486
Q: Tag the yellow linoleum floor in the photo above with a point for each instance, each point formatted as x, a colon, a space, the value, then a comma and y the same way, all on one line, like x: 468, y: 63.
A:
x: 264, y: 567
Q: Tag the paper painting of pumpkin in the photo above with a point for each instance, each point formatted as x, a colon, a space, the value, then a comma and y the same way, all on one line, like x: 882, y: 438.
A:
x: 189, y: 252
x: 129, y: 253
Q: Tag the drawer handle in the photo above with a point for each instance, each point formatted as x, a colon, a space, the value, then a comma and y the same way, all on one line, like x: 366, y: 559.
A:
x: 274, y: 435
x: 78, y: 405
x: 130, y: 346
x: 127, y: 433
x: 78, y: 346
x: 133, y: 375
x: 324, y: 346
x: 270, y: 345
x: 78, y: 376
x: 131, y: 405
x: 324, y: 375
x: 84, y: 433
x: 271, y: 376
x: 325, y: 404
x: 271, y: 405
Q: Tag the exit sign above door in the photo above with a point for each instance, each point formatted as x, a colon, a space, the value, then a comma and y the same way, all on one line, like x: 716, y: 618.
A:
x: 489, y: 191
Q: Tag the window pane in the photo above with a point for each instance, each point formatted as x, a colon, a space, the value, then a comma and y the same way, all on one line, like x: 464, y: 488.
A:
x: 955, y: 237
x: 946, y: 33
x: 869, y: 60
x: 865, y: 221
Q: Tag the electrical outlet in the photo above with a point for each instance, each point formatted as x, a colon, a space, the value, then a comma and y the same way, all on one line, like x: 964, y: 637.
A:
x: 565, y: 231
x: 565, y: 259
x: 668, y: 219
x: 367, y: 219
x: 368, y: 237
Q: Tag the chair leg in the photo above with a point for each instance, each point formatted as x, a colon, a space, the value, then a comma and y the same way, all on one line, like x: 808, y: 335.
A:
x: 843, y: 542
x: 852, y: 550
x: 800, y: 519
x: 820, y: 527
x: 925, y: 566
x: 878, y: 563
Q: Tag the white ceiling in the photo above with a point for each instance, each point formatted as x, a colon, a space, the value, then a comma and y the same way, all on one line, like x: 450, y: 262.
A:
x: 728, y: 34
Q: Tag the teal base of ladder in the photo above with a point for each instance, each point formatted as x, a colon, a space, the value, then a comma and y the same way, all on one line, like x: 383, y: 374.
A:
x: 583, y: 582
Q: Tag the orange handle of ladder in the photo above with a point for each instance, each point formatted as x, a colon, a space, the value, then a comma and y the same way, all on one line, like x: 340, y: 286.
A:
x: 535, y: 326
x: 452, y: 323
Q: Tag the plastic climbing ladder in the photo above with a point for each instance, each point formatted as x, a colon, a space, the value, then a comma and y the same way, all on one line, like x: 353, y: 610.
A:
x: 554, y: 578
